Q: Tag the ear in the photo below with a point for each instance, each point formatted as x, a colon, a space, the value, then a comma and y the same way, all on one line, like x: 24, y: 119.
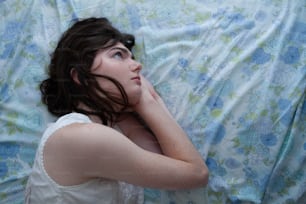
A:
x: 75, y: 76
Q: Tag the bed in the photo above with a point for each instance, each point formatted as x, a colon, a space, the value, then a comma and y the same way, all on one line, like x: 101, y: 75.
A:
x: 233, y: 74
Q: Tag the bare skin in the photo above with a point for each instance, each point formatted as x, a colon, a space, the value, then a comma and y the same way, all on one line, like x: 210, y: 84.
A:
x: 166, y: 159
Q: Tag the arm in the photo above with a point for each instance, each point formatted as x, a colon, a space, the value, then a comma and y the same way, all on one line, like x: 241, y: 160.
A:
x: 135, y: 130
x: 89, y: 151
x: 172, y: 139
x: 80, y: 152
x: 138, y: 133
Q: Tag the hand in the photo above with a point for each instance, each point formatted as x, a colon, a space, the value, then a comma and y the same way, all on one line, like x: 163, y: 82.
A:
x: 148, y: 96
x: 148, y: 87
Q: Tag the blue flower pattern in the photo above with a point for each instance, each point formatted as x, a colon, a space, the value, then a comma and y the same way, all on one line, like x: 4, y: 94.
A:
x: 260, y: 56
x: 234, y: 77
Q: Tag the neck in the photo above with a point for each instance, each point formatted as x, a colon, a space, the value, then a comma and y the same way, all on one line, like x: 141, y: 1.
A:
x: 93, y: 118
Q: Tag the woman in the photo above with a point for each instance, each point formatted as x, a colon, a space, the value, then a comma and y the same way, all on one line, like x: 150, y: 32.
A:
x: 114, y: 135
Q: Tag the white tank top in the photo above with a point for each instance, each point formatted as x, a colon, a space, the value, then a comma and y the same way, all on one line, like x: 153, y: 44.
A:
x: 42, y: 189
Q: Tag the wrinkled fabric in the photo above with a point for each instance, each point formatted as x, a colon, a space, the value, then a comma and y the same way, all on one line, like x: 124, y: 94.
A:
x: 232, y: 73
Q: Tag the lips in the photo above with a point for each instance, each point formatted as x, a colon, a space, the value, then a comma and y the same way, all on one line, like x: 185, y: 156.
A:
x: 137, y: 79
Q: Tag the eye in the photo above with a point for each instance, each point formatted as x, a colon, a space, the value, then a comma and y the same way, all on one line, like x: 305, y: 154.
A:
x: 118, y: 55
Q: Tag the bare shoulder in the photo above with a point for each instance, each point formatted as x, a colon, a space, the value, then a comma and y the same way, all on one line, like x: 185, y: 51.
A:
x: 81, y: 128
x: 83, y: 135
x: 72, y: 134
x: 74, y: 150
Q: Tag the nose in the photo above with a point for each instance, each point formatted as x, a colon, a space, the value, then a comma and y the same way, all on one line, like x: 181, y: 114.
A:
x: 135, y: 66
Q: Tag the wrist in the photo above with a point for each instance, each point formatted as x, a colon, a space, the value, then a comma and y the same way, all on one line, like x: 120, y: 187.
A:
x: 145, y: 106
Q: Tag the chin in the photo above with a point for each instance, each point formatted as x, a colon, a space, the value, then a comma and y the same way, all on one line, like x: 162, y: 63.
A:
x: 134, y: 99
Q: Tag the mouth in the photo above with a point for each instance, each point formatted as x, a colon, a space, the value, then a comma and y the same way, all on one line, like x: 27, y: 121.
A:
x: 137, y: 79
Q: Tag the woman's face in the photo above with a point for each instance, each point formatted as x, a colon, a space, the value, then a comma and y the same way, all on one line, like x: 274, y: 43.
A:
x: 116, y: 62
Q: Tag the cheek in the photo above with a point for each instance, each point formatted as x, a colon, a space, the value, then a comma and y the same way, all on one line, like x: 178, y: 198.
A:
x: 133, y: 91
x: 108, y: 86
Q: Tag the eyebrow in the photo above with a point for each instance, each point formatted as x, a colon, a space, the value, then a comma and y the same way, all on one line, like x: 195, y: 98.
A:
x: 125, y: 50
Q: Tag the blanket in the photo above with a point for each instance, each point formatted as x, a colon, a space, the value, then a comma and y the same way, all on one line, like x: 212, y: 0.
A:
x: 232, y: 73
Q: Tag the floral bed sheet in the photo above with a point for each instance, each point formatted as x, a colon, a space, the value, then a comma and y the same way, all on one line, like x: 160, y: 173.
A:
x: 233, y: 74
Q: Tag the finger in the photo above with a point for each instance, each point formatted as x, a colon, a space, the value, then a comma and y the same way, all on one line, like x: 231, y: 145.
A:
x: 150, y: 87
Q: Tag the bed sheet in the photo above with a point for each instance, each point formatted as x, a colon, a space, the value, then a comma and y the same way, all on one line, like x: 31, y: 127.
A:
x: 233, y: 74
